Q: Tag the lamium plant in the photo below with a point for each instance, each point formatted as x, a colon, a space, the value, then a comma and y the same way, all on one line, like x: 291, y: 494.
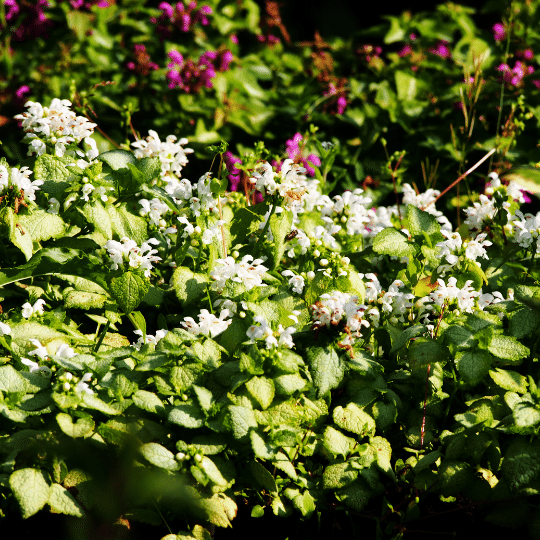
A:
x: 171, y: 350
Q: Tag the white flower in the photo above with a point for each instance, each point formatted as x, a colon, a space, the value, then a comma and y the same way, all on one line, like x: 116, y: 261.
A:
x: 40, y: 351
x: 209, y: 324
x: 154, y: 208
x: 4, y: 329
x: 160, y: 334
x: 82, y: 385
x: 29, y: 310
x: 65, y: 351
x: 21, y: 179
x: 86, y: 190
x: 296, y: 282
x: 36, y: 368
x: 172, y: 154
x: 128, y: 251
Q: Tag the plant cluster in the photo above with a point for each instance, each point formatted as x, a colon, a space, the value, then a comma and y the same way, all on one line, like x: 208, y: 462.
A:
x: 171, y: 350
x: 425, y: 84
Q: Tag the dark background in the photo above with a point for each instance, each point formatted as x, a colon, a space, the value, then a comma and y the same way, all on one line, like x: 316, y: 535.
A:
x: 345, y: 17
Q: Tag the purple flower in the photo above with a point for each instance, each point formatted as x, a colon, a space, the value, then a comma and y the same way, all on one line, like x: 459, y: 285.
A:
x: 441, y: 50
x: 499, y: 32
x: 294, y: 152
x: 234, y: 175
x: 181, y: 18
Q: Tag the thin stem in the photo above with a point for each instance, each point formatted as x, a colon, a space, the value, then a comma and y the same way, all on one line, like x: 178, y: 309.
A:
x: 265, y: 230
x: 102, y: 336
x: 461, y: 177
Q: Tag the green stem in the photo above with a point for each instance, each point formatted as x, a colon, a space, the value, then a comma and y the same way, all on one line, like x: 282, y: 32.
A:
x: 264, y: 231
x: 102, y: 336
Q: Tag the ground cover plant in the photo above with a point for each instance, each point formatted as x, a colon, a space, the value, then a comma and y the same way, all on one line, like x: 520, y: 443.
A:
x: 278, y: 335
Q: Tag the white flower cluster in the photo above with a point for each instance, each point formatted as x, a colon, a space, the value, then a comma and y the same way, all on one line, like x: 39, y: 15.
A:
x: 288, y: 182
x: 527, y: 230
x: 333, y: 308
x: 261, y: 330
x: 58, y: 125
x: 296, y: 281
x: 447, y: 292
x: 128, y: 251
x: 155, y: 210
x: 29, y: 310
x: 202, y: 202
x: 149, y: 339
x: 172, y: 154
x: 20, y: 178
x: 209, y: 324
x: 62, y: 351
x: 248, y: 271
x: 207, y: 237
x: 351, y: 208
x: 454, y: 250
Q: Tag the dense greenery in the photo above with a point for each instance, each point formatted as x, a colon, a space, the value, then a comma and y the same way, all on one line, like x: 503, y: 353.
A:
x: 309, y: 327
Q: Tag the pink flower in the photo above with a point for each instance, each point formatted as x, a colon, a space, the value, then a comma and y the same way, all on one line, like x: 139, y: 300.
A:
x: 499, y: 32
x: 441, y: 50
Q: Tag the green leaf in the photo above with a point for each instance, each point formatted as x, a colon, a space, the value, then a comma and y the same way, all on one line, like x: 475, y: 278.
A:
x: 159, y: 456
x: 16, y: 232
x: 521, y: 463
x: 182, y: 377
x: 473, y: 365
x: 525, y: 415
x: 403, y: 337
x: 128, y: 290
x: 31, y: 489
x: 186, y: 415
x: 280, y: 225
x: 508, y: 348
x: 383, y: 452
x: 282, y: 462
x: 62, y: 501
x: 421, y: 223
x: 54, y: 174
x: 355, y: 495
x: 188, y: 285
x: 260, y: 448
x: 212, y: 472
x: 390, y: 241
x: 287, y: 385
x: 509, y: 380
x: 83, y: 427
x: 425, y: 351
x: 337, y: 443
x: 407, y: 86
x: 262, y: 476
x: 148, y: 401
x: 524, y: 322
x: 204, y: 396
x: 118, y: 159
x: 97, y: 216
x: 42, y: 225
x: 262, y: 390
x: 327, y: 368
x: 125, y: 222
x: 454, y: 476
x: 91, y: 401
x: 353, y: 418
x: 242, y: 419
x: 11, y: 381
x: 339, y: 475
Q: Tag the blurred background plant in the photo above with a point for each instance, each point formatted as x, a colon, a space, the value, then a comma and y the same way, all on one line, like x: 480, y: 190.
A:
x: 443, y: 86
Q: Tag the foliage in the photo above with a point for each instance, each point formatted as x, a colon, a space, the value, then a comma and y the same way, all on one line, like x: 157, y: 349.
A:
x: 265, y: 337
